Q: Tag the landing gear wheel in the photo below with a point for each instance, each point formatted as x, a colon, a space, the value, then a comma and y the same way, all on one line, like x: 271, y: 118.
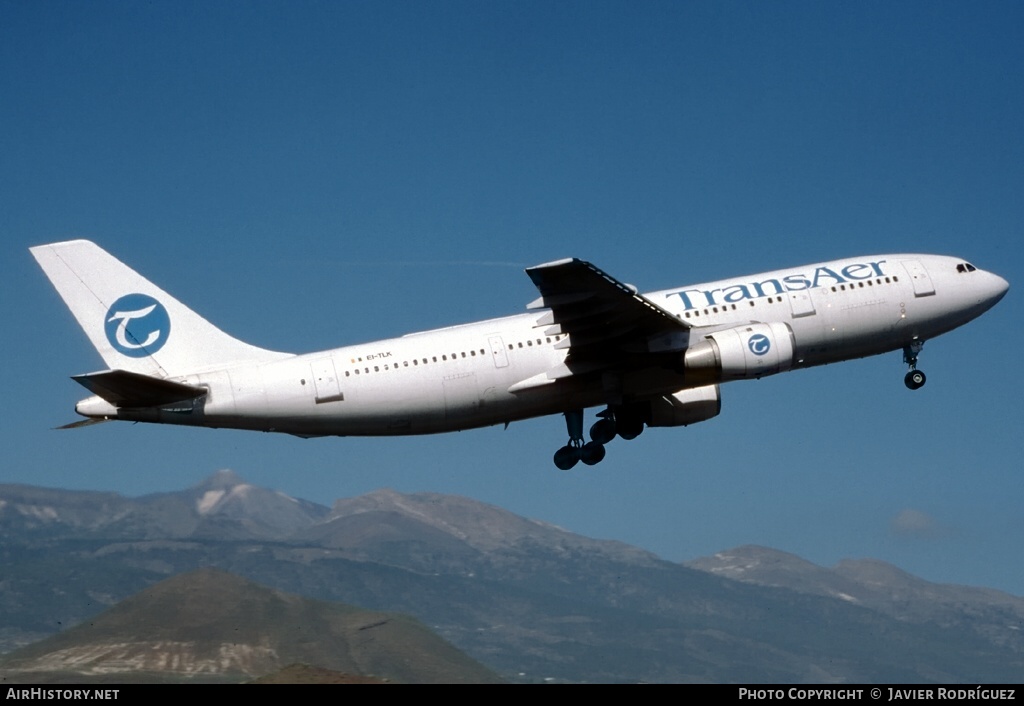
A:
x: 592, y: 453
x: 630, y: 428
x: 914, y: 380
x: 567, y: 457
x: 603, y: 431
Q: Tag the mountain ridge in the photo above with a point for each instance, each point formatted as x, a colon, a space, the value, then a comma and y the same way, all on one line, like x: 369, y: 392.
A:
x: 524, y: 597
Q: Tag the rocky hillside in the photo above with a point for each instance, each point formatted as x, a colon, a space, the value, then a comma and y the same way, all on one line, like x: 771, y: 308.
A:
x: 208, y: 625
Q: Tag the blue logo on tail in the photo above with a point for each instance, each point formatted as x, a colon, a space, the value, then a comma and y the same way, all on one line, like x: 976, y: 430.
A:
x: 137, y: 325
x: 759, y: 344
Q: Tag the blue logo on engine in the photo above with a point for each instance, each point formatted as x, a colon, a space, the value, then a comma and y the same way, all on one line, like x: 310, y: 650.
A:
x: 759, y: 344
x: 137, y: 325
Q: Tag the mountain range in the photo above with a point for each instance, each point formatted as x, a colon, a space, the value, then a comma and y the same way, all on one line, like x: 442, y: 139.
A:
x: 527, y: 599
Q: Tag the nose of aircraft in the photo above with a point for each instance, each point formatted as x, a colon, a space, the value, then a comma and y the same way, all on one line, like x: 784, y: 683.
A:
x: 998, y: 287
x: 990, y: 289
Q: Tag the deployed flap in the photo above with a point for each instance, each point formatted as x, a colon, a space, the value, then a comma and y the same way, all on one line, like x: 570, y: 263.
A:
x: 125, y: 389
x: 602, y: 316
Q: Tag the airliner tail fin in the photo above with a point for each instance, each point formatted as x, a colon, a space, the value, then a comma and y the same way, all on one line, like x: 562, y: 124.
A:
x: 135, y: 325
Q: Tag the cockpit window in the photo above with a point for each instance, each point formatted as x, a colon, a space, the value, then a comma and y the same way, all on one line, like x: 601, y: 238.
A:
x: 965, y: 267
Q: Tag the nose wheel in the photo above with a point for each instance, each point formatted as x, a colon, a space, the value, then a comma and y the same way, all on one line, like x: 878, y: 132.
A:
x: 915, y: 378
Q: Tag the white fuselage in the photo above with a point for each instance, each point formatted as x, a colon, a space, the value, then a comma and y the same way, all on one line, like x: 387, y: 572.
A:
x: 473, y: 375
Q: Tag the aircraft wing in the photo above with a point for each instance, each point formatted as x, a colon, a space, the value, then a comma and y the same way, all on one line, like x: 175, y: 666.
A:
x: 605, y: 319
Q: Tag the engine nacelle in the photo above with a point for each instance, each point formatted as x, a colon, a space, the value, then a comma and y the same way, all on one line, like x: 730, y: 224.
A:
x: 741, y: 353
x: 685, y: 407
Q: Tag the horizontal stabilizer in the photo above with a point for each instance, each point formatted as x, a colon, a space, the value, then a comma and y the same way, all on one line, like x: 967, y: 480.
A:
x: 122, y: 388
x: 82, y: 423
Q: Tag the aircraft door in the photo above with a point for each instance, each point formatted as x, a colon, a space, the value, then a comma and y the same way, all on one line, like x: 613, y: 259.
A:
x: 325, y: 381
x: 923, y: 286
x: 801, y: 304
x: 498, y: 353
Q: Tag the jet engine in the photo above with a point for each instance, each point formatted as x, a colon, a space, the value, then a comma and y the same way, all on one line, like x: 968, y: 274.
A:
x: 740, y: 353
x: 685, y: 407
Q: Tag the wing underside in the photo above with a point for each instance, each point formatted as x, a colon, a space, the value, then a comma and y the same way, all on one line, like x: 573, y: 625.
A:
x: 605, y: 319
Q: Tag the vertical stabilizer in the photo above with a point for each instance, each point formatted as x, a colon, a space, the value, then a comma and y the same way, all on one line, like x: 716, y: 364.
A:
x: 135, y: 325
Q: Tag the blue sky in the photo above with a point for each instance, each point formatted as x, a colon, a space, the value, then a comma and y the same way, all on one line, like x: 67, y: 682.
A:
x: 313, y: 174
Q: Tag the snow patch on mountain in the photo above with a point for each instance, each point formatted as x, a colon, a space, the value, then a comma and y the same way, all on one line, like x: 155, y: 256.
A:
x: 208, y: 501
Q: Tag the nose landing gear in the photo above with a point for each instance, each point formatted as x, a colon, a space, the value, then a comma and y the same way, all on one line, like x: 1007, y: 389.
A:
x: 915, y: 378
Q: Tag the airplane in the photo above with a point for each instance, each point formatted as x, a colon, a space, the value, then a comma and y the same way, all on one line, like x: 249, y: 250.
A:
x: 589, y: 340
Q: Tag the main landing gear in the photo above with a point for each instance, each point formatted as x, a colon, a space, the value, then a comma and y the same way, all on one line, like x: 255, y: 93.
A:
x: 914, y: 379
x: 604, y: 430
